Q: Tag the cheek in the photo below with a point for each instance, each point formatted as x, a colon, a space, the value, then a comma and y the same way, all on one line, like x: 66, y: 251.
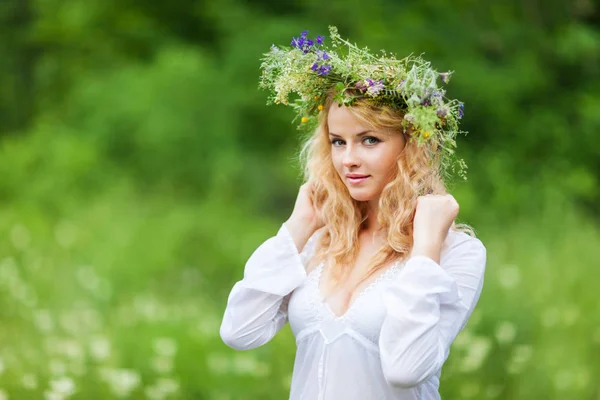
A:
x: 384, y: 161
x: 336, y: 160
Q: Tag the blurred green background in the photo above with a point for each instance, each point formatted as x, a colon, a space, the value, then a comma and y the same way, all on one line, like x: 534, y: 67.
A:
x: 140, y: 167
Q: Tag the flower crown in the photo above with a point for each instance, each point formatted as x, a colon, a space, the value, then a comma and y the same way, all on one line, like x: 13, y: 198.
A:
x: 311, y: 69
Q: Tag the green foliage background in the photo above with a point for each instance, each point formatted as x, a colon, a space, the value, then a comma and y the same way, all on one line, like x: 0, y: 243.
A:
x: 140, y: 168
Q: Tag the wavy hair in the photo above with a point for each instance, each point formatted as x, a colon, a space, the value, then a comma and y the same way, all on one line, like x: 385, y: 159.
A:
x: 417, y: 171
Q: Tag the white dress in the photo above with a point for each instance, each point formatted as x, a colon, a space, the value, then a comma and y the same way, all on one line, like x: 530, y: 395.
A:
x: 392, y: 341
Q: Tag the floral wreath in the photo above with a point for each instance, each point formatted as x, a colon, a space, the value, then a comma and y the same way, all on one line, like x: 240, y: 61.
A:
x: 311, y: 69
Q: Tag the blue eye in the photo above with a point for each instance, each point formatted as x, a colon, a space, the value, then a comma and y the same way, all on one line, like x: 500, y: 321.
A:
x: 334, y: 141
x: 373, y: 140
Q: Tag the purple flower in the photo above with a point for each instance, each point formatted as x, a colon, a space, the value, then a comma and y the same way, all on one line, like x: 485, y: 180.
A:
x: 320, y: 39
x: 442, y: 112
x: 325, y: 56
x: 304, y: 34
x: 461, y: 109
x: 375, y: 87
x: 324, y: 70
x: 360, y: 85
x: 315, y: 66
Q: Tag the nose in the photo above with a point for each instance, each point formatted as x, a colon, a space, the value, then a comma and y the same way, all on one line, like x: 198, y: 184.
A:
x: 350, y: 159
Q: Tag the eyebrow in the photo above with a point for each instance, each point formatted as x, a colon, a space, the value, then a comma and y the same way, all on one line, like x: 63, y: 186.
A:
x: 358, y: 134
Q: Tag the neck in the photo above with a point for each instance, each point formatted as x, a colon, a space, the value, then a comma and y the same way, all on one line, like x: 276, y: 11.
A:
x: 371, y: 224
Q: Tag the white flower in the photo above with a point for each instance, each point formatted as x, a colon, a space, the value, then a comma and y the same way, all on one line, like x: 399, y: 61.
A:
x: 476, y: 354
x: 509, y: 276
x: 165, y: 347
x: 63, y: 386
x: 121, y: 381
x: 99, y: 348
x: 505, y: 332
x: 29, y: 381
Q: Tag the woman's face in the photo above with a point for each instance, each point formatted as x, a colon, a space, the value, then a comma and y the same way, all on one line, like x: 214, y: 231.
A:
x: 364, y: 158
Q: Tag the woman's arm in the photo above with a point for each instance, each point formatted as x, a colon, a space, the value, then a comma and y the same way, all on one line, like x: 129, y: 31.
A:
x: 427, y: 306
x: 257, y: 305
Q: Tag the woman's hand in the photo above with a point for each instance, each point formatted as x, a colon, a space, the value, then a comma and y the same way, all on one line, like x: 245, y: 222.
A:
x: 305, y: 218
x: 434, y: 216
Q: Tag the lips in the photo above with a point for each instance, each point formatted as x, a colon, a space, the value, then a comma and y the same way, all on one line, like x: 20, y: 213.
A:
x: 356, y: 178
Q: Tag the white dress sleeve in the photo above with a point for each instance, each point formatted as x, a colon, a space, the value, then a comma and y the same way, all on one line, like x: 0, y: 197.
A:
x: 427, y: 305
x: 257, y: 305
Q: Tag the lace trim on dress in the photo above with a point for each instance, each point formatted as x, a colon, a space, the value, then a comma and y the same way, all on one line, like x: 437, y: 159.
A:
x: 315, y: 281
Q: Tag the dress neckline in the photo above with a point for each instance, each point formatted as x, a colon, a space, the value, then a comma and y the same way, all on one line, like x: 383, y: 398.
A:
x: 362, y: 293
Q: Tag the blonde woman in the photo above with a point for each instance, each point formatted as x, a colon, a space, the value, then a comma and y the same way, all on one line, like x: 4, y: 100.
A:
x: 370, y: 270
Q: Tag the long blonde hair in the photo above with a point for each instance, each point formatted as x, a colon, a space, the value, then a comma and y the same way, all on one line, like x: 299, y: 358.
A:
x: 417, y: 172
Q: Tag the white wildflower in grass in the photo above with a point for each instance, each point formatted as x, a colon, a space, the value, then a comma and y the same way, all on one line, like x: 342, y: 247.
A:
x: 69, y: 348
x: 162, y: 365
x: 72, y: 349
x: 121, y: 381
x: 43, y: 321
x: 63, y: 386
x: 150, y: 309
x: 49, y: 395
x: 154, y: 393
x: 99, y: 348
x: 509, y: 276
x: 29, y: 381
x: 65, y: 234
x: 520, y: 355
x: 168, y: 385
x: 3, y: 395
x: 463, y: 339
x: 20, y: 237
x: 165, y: 346
x: 506, y: 332
x: 476, y: 353
x: 88, y: 279
x: 163, y: 388
x: 493, y: 391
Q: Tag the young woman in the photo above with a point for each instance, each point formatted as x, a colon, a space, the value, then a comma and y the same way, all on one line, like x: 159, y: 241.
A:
x: 370, y: 269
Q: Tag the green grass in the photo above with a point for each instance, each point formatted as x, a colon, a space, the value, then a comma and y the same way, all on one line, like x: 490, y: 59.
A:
x: 121, y: 291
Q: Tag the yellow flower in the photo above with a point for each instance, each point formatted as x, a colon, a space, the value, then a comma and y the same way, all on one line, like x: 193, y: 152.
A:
x: 426, y: 134
x: 316, y: 97
x: 304, y: 119
x: 320, y: 107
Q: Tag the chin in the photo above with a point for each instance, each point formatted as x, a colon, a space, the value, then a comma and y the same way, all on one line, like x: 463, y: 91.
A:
x: 359, y: 195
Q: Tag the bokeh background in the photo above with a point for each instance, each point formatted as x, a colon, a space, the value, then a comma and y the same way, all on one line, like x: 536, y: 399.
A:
x: 140, y: 167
